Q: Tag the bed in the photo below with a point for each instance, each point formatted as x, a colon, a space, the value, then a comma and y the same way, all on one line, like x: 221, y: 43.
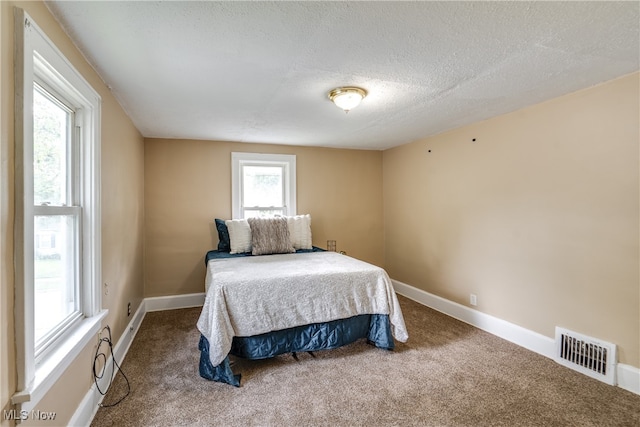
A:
x: 261, y: 306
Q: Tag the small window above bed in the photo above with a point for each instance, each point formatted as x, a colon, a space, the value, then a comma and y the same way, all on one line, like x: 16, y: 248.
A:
x: 263, y: 185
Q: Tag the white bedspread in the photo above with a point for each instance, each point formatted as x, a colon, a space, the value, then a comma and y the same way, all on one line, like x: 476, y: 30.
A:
x: 253, y: 295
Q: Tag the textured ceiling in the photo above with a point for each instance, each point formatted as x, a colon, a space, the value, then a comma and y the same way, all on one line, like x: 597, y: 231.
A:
x: 260, y: 71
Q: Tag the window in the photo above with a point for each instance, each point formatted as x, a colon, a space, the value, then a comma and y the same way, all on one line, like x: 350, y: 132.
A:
x: 57, y: 274
x: 263, y: 185
x: 57, y: 214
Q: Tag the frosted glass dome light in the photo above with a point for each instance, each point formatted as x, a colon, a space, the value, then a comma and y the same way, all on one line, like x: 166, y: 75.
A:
x: 347, y: 98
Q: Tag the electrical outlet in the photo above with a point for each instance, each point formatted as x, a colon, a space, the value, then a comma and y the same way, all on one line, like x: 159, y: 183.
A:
x: 128, y: 309
x: 473, y: 299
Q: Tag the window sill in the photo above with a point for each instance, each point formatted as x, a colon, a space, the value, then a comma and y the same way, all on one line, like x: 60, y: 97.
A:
x: 55, y: 364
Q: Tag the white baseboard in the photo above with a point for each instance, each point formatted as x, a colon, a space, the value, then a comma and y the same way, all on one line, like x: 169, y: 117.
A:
x: 174, y: 302
x: 628, y: 377
x: 516, y: 334
x: 90, y: 403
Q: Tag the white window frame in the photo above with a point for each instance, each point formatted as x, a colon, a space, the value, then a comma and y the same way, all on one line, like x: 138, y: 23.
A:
x: 286, y: 161
x: 38, y: 59
x: 73, y: 209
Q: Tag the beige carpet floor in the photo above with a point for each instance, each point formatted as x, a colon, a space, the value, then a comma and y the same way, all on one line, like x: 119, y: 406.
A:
x: 447, y: 374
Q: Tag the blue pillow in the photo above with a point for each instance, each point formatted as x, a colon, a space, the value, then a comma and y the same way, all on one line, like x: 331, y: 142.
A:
x: 224, y: 244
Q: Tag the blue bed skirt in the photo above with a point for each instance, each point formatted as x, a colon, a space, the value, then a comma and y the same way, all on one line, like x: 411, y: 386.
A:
x: 376, y: 328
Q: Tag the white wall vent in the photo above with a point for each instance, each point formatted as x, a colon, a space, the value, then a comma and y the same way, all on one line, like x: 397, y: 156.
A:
x: 587, y: 355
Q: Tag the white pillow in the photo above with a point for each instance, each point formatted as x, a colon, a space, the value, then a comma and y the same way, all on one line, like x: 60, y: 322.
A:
x: 300, y: 231
x: 239, y: 235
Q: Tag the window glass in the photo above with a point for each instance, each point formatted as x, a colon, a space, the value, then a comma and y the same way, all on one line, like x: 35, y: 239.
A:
x: 262, y: 186
x: 262, y: 212
x: 55, y: 274
x: 51, y: 122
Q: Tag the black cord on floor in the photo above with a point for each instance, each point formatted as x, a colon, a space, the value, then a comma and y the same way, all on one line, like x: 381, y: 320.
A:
x: 103, y: 357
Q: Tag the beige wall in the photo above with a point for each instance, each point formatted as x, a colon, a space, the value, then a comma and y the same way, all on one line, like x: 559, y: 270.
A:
x: 188, y: 185
x: 122, y: 216
x: 538, y: 217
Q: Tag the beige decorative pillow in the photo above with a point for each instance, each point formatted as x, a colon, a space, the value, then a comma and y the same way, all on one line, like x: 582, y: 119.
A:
x: 270, y: 236
x: 239, y: 235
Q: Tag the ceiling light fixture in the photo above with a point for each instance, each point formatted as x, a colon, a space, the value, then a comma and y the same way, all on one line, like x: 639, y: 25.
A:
x: 348, y: 97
